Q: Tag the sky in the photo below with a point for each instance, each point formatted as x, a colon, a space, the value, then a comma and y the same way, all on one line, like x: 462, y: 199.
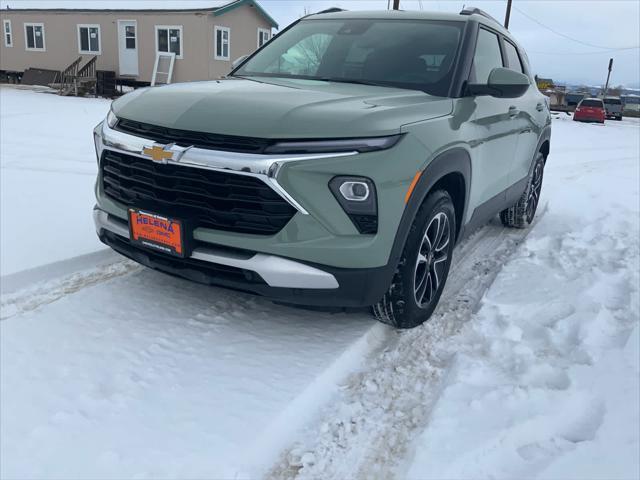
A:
x: 566, y: 40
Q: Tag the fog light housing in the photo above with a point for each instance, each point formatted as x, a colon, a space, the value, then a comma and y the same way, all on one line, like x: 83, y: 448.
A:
x: 355, y: 191
x: 357, y: 197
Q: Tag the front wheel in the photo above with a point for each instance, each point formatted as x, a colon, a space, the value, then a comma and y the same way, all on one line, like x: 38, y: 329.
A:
x: 521, y: 214
x: 423, y: 267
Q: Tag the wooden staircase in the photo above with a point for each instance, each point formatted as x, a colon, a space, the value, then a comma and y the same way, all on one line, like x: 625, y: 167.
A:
x: 74, y: 80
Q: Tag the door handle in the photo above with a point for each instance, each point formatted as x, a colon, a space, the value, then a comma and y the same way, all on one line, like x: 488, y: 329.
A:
x: 540, y: 106
x: 513, y: 111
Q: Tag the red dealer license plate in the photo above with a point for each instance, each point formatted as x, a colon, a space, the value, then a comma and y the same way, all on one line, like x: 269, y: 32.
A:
x: 156, y: 232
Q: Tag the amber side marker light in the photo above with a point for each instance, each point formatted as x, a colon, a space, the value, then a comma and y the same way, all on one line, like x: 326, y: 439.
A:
x: 414, y: 182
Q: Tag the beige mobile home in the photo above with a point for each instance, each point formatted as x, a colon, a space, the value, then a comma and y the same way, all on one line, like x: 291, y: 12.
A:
x: 205, y: 40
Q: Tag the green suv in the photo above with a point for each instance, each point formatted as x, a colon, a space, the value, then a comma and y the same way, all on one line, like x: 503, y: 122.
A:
x: 336, y: 167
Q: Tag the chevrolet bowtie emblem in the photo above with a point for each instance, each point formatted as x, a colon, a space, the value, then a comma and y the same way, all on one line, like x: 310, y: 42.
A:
x: 159, y: 153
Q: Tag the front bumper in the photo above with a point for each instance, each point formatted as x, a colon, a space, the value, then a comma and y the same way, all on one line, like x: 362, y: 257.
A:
x: 318, y: 259
x: 278, y: 278
x: 320, y: 232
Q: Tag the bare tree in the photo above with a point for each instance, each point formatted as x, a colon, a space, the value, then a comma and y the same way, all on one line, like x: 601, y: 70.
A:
x: 615, y: 91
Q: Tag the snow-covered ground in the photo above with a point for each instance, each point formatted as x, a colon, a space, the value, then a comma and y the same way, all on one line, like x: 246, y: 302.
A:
x: 543, y: 382
x: 47, y: 170
x: 528, y: 369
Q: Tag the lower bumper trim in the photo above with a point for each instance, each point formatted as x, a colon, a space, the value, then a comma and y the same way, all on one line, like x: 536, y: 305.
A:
x: 275, y: 271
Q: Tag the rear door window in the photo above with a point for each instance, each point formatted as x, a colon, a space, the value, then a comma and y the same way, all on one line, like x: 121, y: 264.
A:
x: 512, y: 57
x: 487, y: 56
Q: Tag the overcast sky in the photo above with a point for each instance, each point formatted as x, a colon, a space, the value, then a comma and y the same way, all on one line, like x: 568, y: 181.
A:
x: 597, y: 27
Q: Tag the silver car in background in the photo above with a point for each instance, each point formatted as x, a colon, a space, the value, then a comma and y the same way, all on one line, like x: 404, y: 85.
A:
x: 613, y: 107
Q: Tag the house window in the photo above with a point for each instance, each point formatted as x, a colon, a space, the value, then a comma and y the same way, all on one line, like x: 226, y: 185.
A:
x: 222, y: 43
x: 130, y: 37
x: 34, y: 36
x: 89, y: 39
x: 8, y: 37
x: 169, y: 39
x: 263, y: 36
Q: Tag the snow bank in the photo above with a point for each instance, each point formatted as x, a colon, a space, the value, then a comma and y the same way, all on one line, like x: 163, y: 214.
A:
x: 544, y: 381
x: 48, y: 169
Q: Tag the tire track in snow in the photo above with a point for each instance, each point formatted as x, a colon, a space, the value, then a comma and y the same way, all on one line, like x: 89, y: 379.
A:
x: 371, y: 424
x: 46, y: 292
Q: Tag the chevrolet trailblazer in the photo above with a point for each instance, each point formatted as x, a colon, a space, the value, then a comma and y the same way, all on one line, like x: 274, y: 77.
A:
x: 337, y: 166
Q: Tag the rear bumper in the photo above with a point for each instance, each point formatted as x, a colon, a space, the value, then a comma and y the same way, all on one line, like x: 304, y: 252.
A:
x: 278, y: 278
x: 588, y: 118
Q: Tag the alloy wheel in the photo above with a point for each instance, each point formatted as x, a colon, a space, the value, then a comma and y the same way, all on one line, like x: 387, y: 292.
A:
x: 431, y: 260
x: 534, y: 191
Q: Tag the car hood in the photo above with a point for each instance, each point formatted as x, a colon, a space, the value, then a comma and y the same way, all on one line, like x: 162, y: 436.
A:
x: 281, y: 108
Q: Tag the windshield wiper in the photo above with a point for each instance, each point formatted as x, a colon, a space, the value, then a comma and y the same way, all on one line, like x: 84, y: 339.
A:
x: 354, y: 81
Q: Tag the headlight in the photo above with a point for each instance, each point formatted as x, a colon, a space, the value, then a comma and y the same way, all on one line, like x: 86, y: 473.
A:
x: 369, y: 144
x: 357, y: 197
x: 111, y: 119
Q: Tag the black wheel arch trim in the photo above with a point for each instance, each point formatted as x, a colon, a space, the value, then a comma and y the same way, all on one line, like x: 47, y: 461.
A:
x: 457, y: 161
x: 545, y: 136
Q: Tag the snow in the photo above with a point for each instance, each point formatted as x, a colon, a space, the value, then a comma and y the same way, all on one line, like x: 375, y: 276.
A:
x: 47, y: 172
x: 543, y: 382
x: 528, y: 369
x: 148, y: 376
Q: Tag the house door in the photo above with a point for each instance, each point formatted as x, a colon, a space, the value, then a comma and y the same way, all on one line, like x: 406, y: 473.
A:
x: 128, y: 47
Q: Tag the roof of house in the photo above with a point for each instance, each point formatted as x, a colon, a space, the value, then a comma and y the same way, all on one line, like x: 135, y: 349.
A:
x: 216, y: 7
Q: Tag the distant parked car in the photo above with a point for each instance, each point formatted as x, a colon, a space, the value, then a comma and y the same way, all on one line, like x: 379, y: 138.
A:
x: 590, y: 110
x: 630, y: 103
x: 613, y: 107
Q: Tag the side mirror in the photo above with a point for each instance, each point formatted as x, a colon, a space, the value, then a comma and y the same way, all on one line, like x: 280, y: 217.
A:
x: 502, y: 83
x: 238, y: 61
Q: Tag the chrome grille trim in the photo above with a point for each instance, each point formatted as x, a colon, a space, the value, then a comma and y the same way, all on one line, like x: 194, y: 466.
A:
x: 264, y: 167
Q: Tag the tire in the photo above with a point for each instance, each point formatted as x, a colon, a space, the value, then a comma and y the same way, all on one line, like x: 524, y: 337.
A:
x: 412, y: 298
x: 522, y: 213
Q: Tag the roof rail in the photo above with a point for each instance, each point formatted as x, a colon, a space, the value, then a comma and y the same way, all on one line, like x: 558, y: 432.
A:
x: 477, y: 11
x: 331, y: 10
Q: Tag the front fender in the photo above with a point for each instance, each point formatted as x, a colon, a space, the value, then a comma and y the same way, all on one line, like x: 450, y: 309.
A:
x: 454, y: 161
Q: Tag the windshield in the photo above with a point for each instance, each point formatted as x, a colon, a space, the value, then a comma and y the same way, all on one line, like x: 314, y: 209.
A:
x: 413, y: 54
x: 612, y: 101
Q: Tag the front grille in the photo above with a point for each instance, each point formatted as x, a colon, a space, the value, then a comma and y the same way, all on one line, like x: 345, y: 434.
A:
x: 186, y: 138
x: 204, y: 198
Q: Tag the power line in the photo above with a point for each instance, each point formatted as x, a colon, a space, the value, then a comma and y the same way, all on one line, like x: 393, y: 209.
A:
x: 568, y: 37
x: 585, y: 53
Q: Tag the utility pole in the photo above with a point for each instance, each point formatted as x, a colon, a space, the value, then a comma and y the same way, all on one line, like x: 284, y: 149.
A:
x: 396, y: 4
x: 606, y: 87
x: 508, y: 15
